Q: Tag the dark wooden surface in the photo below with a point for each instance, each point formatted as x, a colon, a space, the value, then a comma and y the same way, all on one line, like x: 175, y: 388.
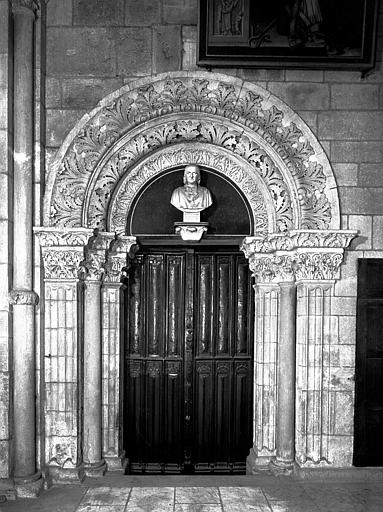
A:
x: 368, y: 450
x: 188, y: 362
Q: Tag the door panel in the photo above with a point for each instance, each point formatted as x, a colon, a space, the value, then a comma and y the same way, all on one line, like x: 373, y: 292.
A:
x: 188, y: 362
x: 368, y: 450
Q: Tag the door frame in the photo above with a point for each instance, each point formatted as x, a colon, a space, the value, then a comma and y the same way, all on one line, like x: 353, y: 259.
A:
x: 214, y: 243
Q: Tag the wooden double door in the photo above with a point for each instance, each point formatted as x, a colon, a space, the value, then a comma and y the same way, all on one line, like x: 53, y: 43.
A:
x: 188, y: 366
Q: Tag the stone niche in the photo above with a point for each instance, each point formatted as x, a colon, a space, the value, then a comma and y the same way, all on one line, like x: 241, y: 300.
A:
x: 249, y: 138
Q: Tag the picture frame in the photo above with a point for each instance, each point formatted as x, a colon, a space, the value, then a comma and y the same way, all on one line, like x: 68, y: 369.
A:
x: 319, y: 34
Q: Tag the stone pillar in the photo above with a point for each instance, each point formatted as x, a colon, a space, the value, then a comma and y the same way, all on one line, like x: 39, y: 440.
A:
x: 28, y: 481
x: 93, y: 269
x: 282, y: 260
x: 314, y: 388
x: 62, y: 253
x: 121, y: 250
x: 265, y: 376
x: 285, y: 421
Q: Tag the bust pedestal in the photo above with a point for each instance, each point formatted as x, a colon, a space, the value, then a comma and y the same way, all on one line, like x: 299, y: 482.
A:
x: 191, y: 229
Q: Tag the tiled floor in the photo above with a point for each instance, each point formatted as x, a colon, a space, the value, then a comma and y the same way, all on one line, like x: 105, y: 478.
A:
x: 116, y: 493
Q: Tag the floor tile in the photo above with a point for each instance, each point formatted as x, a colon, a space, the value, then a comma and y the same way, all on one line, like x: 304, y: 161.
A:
x: 151, y: 499
x: 106, y: 496
x: 197, y: 507
x: 294, y: 506
x: 250, y: 495
x: 243, y: 507
x: 100, y: 508
x: 206, y: 495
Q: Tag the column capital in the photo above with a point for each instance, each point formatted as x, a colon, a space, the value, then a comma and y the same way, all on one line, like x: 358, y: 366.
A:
x: 23, y: 297
x: 62, y: 251
x: 297, y: 255
x: 25, y: 7
x: 121, y: 250
x: 92, y: 268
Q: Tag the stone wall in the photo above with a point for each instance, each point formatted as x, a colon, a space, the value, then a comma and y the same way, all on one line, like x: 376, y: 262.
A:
x: 5, y: 234
x: 94, y: 49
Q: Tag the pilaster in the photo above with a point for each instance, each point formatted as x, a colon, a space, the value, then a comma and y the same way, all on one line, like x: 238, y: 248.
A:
x: 265, y: 375
x: 308, y: 261
x: 62, y: 252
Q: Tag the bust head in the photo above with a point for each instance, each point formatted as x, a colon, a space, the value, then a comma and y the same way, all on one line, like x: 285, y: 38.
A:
x: 192, y: 175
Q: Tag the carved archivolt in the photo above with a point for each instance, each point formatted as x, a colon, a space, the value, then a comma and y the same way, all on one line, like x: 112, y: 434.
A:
x: 239, y: 129
x: 171, y: 157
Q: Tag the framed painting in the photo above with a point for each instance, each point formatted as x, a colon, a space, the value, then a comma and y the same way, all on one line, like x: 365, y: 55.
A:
x: 338, y: 34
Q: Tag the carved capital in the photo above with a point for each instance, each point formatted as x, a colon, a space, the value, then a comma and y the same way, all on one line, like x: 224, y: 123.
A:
x: 121, y: 249
x: 297, y: 255
x: 62, y: 262
x: 272, y: 268
x: 93, y: 266
x: 295, y: 239
x: 318, y: 265
x: 25, y: 6
x: 23, y: 297
x: 53, y: 237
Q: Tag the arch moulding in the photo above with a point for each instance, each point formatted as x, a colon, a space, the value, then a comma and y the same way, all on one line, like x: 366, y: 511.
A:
x: 239, y: 128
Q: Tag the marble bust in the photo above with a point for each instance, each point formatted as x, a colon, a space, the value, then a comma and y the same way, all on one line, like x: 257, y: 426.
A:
x: 191, y: 197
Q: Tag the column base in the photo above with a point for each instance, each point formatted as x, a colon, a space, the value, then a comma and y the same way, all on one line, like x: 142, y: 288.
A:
x: 95, y: 470
x: 256, y: 464
x: 60, y: 475
x: 282, y: 468
x: 30, y: 486
x: 7, y: 490
x: 114, y: 462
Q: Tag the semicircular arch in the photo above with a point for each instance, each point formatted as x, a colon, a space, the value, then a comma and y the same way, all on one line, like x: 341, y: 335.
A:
x: 235, y: 119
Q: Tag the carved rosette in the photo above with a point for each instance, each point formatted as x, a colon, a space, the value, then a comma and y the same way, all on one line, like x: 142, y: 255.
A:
x: 23, y: 297
x: 297, y: 255
x: 239, y: 118
x: 121, y: 250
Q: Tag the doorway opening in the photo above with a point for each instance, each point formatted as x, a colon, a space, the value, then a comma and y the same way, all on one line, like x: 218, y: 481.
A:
x: 368, y: 439
x: 188, y: 360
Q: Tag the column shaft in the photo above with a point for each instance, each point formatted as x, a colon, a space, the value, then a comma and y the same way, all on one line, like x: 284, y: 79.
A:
x: 285, y: 428
x: 23, y: 147
x: 22, y: 296
x: 92, y: 444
